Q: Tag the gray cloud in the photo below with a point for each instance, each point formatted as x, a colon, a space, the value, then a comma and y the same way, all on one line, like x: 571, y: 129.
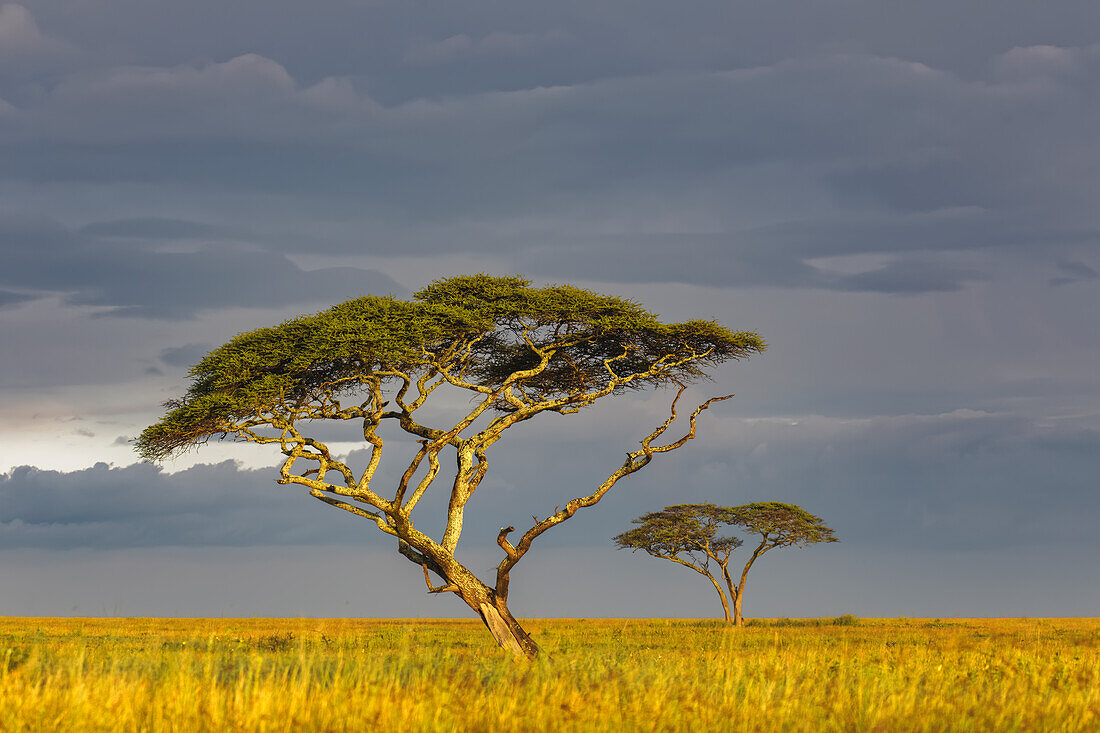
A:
x: 919, y: 160
x: 21, y: 38
x: 140, y: 281
x: 153, y: 228
x: 613, y: 36
x: 774, y: 257
x: 896, y: 131
x: 179, y: 161
x: 963, y: 480
x: 959, y: 481
x: 141, y: 506
x: 907, y: 276
x: 497, y: 44
x: 186, y: 355
x: 1073, y: 272
x: 9, y: 298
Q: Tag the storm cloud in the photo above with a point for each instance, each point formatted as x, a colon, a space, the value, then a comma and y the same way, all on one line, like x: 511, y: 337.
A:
x: 918, y: 160
x: 135, y: 279
x: 901, y: 198
x: 141, y: 506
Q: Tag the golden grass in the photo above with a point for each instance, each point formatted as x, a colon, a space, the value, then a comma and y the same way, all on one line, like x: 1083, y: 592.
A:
x: 425, y: 675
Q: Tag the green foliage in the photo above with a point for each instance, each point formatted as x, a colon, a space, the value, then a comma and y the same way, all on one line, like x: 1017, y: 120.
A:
x: 779, y: 523
x: 682, y: 528
x: 480, y: 330
x: 687, y: 534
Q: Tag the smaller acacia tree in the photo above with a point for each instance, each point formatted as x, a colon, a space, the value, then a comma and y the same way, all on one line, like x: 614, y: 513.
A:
x: 687, y: 534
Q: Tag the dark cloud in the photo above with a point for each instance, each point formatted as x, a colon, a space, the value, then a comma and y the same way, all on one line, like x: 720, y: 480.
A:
x: 21, y: 39
x: 153, y: 228
x: 907, y: 276
x: 9, y: 298
x: 918, y: 159
x: 756, y: 259
x: 133, y: 279
x: 965, y: 480
x: 178, y: 161
x: 386, y: 42
x: 1073, y: 272
x: 894, y: 131
x: 141, y: 506
x: 186, y: 355
x: 962, y: 480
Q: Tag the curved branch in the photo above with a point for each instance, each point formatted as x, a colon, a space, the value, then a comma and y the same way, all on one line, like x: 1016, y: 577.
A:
x: 449, y: 587
x: 502, y: 540
x: 635, y: 461
x: 378, y: 519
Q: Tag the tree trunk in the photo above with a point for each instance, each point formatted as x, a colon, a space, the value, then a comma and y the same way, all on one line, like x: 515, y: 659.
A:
x: 505, y: 629
x: 493, y: 610
x: 737, y: 592
x: 721, y: 597
x: 485, y: 601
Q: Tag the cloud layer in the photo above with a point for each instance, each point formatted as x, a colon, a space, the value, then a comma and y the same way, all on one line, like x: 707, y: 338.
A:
x: 141, y: 506
x: 130, y: 278
x: 659, y: 172
x: 962, y: 481
x: 901, y: 199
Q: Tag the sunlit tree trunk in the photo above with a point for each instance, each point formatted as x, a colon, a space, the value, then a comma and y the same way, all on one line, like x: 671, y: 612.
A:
x: 738, y: 619
x: 504, y: 627
x: 721, y: 597
x: 490, y: 604
x: 493, y: 610
x: 737, y: 592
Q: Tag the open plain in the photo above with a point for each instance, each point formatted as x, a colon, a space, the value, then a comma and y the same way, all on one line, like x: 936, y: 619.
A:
x: 130, y: 674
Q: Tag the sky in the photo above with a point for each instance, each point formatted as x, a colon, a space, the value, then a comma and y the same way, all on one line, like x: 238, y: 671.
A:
x: 901, y: 197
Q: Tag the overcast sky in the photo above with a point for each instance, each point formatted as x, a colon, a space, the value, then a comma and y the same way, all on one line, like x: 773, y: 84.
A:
x: 901, y: 197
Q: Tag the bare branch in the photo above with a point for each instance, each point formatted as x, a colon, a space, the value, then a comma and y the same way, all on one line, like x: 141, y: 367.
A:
x: 688, y: 436
x: 502, y: 540
x: 702, y: 570
x: 429, y: 477
x: 449, y: 587
x: 635, y: 461
x: 378, y: 519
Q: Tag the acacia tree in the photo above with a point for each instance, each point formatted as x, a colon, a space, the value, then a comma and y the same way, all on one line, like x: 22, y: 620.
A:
x: 687, y: 534
x: 517, y: 351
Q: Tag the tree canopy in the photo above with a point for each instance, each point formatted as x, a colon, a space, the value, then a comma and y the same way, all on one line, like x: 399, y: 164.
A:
x: 518, y: 351
x: 688, y: 529
x: 477, y: 332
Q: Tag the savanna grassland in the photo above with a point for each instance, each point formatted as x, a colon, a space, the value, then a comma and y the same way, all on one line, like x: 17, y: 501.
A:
x: 341, y: 674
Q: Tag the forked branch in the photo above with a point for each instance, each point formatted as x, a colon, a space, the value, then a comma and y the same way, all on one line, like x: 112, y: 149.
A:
x: 448, y: 588
x: 635, y: 461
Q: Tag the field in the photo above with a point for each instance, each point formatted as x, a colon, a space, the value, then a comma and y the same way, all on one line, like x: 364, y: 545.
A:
x: 341, y: 674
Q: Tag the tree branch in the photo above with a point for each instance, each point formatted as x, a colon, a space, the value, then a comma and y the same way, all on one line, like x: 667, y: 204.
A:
x: 502, y: 540
x: 376, y: 518
x: 449, y: 587
x: 635, y: 461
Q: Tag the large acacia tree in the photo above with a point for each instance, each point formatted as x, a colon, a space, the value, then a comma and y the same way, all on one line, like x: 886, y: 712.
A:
x: 517, y: 351
x: 687, y: 534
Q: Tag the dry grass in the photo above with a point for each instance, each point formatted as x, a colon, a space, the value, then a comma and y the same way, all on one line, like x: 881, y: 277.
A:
x: 337, y: 675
